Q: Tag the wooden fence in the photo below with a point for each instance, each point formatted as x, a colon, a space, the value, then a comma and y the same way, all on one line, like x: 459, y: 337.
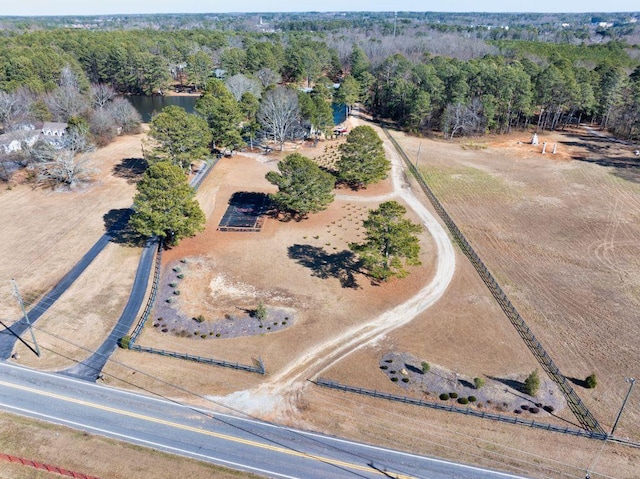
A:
x: 576, y: 405
x: 461, y: 410
x: 258, y: 366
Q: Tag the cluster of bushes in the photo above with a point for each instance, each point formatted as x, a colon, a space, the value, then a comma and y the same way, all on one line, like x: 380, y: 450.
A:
x: 460, y: 400
x: 174, y: 285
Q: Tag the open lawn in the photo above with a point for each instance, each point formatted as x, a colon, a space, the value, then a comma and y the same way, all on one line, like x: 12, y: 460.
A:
x: 45, y: 232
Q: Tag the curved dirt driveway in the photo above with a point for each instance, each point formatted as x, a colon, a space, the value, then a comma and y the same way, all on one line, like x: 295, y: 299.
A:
x: 277, y: 395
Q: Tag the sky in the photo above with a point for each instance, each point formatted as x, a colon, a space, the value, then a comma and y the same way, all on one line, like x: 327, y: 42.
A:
x: 104, y: 7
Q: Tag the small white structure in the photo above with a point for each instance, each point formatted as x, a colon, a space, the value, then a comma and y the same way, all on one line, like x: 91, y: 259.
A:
x: 534, y: 139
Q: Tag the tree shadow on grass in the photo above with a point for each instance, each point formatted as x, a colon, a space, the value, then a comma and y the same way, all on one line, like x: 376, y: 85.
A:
x: 512, y: 383
x: 579, y: 382
x: 466, y: 384
x: 342, y: 265
x: 116, y: 224
x: 624, y: 166
x: 131, y: 169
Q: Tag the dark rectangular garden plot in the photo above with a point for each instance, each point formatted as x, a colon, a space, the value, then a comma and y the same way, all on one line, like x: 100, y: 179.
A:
x: 245, y: 212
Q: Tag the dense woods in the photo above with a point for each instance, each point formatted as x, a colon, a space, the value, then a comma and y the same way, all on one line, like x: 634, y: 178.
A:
x: 453, y: 74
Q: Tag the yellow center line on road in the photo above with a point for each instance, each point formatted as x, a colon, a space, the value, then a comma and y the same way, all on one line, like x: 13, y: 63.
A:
x: 226, y: 437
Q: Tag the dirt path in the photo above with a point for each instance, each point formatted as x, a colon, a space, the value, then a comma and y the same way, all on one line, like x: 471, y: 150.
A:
x: 277, y: 396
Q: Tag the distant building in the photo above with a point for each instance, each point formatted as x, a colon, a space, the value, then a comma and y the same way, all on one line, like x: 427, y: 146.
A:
x: 50, y: 128
x: 28, y: 135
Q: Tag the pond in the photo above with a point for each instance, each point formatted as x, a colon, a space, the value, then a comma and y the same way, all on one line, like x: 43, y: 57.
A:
x: 147, y: 106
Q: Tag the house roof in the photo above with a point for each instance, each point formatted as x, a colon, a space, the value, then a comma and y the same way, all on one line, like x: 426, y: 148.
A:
x: 54, y: 126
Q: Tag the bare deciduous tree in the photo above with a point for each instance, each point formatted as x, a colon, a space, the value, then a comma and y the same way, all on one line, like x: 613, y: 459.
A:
x: 68, y: 79
x: 66, y: 169
x: 239, y: 84
x: 124, y: 114
x: 102, y: 126
x: 15, y: 108
x: 463, y: 119
x: 279, y: 114
x: 101, y: 94
x: 64, y: 165
x: 65, y: 103
x: 267, y: 77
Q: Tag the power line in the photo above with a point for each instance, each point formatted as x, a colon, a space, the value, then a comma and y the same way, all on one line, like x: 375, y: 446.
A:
x: 207, y: 414
x: 500, y: 460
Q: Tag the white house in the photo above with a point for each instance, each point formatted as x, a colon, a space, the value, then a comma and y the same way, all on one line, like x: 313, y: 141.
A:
x: 50, y: 128
x: 28, y: 134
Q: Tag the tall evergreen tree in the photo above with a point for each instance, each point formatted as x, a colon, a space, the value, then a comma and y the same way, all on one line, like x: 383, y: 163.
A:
x: 181, y: 137
x: 363, y: 160
x: 165, y: 206
x: 390, y: 242
x: 222, y: 112
x: 303, y: 187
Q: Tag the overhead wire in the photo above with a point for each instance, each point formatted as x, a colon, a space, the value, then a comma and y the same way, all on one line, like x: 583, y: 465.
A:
x: 208, y: 414
x: 503, y: 460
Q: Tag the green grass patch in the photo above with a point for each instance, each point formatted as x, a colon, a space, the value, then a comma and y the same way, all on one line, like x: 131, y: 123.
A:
x: 451, y: 183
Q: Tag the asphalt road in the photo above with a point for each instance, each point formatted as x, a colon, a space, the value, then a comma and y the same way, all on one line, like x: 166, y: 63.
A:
x: 9, y: 335
x: 89, y: 369
x: 244, y: 444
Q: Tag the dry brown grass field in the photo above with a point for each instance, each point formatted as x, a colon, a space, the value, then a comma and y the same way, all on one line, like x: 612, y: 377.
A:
x: 557, y: 231
x: 560, y: 232
x: 92, y: 455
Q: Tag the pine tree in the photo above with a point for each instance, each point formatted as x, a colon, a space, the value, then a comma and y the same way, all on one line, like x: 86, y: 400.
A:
x: 165, y: 206
x: 303, y: 187
x: 181, y: 137
x: 363, y: 161
x: 390, y: 242
x: 223, y: 114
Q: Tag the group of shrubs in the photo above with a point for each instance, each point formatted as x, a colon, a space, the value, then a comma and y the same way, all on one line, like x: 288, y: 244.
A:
x: 535, y: 409
x: 531, y: 386
x: 460, y: 400
x: 174, y: 284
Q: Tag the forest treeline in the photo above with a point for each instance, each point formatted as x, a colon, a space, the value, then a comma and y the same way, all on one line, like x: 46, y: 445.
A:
x: 440, y: 81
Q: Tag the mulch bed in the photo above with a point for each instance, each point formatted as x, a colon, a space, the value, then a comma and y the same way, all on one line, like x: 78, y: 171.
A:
x: 168, y: 318
x: 502, y: 395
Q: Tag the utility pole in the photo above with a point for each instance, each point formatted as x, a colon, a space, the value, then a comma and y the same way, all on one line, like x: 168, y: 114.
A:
x: 26, y: 316
x: 418, y: 155
x: 615, y: 424
x: 632, y: 382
